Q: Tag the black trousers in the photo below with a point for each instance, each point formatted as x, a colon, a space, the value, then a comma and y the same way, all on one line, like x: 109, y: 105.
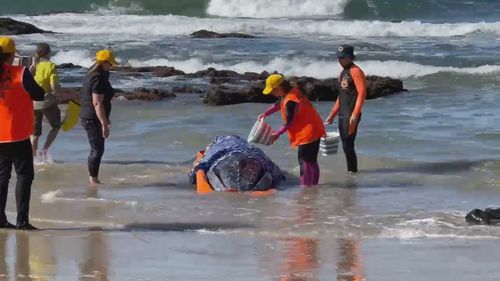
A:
x: 348, y: 142
x: 19, y: 155
x: 308, y: 153
x: 96, y: 141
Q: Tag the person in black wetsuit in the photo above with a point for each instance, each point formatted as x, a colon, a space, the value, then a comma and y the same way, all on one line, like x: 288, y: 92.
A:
x: 18, y: 90
x: 96, y: 96
x: 349, y: 104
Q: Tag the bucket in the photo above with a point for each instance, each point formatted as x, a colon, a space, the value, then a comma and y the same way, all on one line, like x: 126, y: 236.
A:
x: 22, y: 61
x: 260, y: 133
x: 329, y: 144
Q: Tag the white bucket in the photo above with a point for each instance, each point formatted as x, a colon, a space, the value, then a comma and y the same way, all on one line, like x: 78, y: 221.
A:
x: 261, y: 133
x: 329, y: 145
x: 22, y: 61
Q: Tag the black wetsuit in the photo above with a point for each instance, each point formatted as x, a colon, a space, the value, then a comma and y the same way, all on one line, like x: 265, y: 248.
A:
x: 95, y: 83
x: 348, y: 96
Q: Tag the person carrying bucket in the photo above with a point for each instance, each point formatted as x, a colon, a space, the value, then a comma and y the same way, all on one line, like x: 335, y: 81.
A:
x: 349, y: 104
x: 18, y: 90
x: 46, y: 76
x: 302, y: 122
x: 97, y: 93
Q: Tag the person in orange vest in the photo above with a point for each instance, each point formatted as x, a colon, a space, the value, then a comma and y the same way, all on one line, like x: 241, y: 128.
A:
x: 18, y: 90
x: 349, y: 103
x: 95, y: 100
x: 302, y: 122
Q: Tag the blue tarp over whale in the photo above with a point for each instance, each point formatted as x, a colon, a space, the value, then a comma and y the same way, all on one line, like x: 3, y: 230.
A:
x: 231, y: 163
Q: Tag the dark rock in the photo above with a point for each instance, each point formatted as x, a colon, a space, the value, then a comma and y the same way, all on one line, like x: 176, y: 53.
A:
x: 382, y: 86
x: 9, y: 26
x: 158, y: 71
x: 68, y: 66
x: 143, y: 94
x: 134, y: 69
x: 167, y: 72
x: 252, y: 76
x: 314, y: 89
x: 210, y: 34
x: 187, y: 90
x: 214, y: 73
x: 224, y: 95
x: 230, y: 87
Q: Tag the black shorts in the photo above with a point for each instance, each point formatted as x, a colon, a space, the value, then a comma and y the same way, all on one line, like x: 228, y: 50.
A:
x: 309, y: 152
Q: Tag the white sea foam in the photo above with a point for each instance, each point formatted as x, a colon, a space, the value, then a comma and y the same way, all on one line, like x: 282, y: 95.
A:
x: 50, y: 197
x: 416, y: 233
x: 76, y: 57
x: 276, y: 8
x: 295, y: 66
x: 323, y: 68
x: 57, y: 195
x: 139, y: 26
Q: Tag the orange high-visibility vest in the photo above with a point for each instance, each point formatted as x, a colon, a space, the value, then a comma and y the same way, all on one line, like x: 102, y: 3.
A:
x: 16, y: 106
x: 307, y: 126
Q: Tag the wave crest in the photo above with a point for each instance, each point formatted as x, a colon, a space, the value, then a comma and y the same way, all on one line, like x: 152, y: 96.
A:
x: 276, y: 8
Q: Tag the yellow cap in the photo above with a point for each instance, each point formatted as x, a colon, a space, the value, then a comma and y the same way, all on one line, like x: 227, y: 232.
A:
x: 106, y: 56
x: 272, y: 82
x: 7, y: 44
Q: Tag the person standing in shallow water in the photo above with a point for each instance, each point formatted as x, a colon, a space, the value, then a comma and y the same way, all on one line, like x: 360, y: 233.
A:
x: 46, y: 76
x: 349, y: 104
x: 96, y: 96
x: 18, y: 90
x: 302, y: 122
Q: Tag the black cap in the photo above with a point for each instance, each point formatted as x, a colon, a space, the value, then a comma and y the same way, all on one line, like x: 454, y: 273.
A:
x: 345, y: 51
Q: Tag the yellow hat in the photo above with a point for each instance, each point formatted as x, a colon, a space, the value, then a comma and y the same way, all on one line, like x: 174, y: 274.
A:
x: 106, y: 56
x: 272, y: 82
x: 8, y: 45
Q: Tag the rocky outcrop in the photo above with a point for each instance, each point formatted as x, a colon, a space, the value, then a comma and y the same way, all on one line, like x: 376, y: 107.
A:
x: 383, y: 86
x: 226, y: 95
x: 230, y: 87
x: 158, y: 71
x: 9, y: 26
x: 210, y: 34
x: 186, y: 89
x: 68, y: 66
x: 314, y: 89
x: 142, y: 94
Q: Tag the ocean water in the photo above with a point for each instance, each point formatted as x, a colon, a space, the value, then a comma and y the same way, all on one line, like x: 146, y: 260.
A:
x: 427, y: 156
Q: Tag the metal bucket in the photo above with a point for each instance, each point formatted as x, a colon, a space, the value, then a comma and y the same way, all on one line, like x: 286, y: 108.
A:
x: 329, y: 144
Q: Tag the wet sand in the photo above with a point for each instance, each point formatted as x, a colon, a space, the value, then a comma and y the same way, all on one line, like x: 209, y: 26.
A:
x: 398, y: 219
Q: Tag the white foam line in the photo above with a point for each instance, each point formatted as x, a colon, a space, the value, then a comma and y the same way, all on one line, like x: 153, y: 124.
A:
x: 53, y: 196
x: 147, y: 26
x: 275, y: 8
x: 290, y: 66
